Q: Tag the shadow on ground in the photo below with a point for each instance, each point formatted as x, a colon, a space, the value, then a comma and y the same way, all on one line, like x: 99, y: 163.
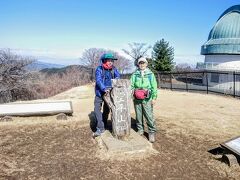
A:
x: 93, y: 123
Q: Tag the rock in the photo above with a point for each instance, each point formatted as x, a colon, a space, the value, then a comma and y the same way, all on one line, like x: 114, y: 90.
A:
x: 119, y: 100
x: 230, y: 159
x: 61, y: 116
x: 6, y: 118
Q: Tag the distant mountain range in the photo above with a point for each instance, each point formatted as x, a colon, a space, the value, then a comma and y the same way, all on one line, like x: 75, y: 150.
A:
x: 78, y: 68
x: 39, y: 65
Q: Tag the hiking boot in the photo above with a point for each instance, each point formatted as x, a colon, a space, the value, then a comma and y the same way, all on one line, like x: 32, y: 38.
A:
x: 97, y: 133
x: 140, y: 133
x: 151, y: 137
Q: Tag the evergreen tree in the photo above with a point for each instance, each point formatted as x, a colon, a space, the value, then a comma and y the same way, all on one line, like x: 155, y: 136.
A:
x: 162, y: 56
x: 150, y: 64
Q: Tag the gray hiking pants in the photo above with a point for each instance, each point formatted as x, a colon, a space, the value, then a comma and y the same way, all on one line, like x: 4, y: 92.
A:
x: 144, y: 110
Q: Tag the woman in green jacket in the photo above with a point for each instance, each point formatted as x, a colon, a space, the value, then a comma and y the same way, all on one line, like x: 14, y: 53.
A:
x: 144, y: 88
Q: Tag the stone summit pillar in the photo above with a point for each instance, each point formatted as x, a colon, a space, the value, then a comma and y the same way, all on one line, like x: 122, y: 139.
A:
x: 119, y: 100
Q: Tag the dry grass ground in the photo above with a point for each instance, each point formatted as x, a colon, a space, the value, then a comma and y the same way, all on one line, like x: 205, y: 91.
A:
x: 189, y: 125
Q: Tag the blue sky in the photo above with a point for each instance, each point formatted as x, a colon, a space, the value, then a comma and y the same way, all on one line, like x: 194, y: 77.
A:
x: 58, y: 31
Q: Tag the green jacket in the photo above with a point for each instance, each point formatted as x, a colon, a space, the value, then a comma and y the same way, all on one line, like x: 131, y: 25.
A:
x: 148, y: 81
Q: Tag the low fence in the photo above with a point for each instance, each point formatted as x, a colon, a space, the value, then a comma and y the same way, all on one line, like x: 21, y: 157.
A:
x: 222, y: 82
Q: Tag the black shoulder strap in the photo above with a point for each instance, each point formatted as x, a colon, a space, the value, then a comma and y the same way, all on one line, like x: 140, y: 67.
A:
x: 112, y: 71
x: 103, y: 74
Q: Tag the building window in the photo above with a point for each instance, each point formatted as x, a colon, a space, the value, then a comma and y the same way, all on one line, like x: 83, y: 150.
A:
x: 237, y: 78
x: 215, y: 78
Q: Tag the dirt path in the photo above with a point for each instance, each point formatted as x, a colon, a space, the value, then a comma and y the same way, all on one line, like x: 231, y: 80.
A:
x: 189, y: 125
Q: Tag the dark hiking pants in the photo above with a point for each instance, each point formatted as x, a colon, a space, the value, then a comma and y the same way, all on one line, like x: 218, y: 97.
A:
x: 101, y: 117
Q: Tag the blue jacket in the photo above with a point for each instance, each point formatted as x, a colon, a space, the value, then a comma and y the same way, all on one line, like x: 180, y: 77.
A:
x: 103, y: 79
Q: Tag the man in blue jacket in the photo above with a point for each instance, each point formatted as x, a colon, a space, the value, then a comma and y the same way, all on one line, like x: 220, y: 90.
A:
x: 104, y: 73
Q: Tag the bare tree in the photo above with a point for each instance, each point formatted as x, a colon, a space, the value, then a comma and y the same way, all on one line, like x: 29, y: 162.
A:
x: 53, y: 81
x: 137, y: 50
x: 91, y: 58
x: 13, y: 75
x: 123, y: 64
x: 183, y: 67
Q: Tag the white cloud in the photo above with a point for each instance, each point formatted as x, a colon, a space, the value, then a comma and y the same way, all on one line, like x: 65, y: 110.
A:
x: 50, y: 53
x: 65, y: 57
x: 189, y: 59
x: 71, y: 56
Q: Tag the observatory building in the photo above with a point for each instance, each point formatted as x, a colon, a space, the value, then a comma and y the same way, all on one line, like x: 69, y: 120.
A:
x: 222, y: 49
